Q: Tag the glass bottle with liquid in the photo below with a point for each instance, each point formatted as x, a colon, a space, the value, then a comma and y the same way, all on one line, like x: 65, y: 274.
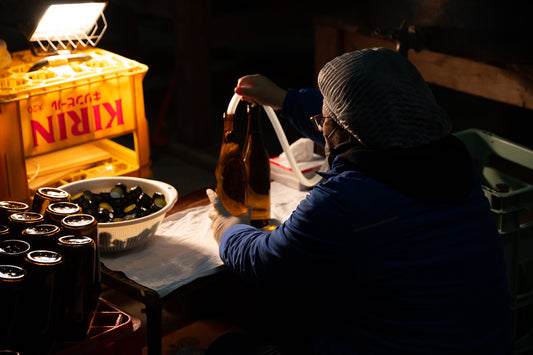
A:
x: 257, y: 164
x: 230, y: 171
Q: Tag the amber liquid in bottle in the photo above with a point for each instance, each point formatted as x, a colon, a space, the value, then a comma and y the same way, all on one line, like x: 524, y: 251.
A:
x: 257, y: 164
x: 230, y: 171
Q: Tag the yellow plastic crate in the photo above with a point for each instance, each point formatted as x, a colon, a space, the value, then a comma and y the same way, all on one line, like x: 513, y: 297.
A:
x: 57, y: 122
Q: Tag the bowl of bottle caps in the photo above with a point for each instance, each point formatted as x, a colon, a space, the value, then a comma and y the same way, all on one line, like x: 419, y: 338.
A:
x: 128, y: 209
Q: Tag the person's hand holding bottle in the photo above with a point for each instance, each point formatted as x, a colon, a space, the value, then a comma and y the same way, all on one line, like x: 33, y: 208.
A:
x: 259, y: 89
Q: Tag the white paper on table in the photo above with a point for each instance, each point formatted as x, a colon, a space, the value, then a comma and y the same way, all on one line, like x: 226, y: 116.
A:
x: 183, y: 248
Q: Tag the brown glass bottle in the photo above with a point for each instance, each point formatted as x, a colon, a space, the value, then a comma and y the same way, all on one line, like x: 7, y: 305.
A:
x: 47, y: 195
x: 22, y: 220
x: 230, y: 171
x: 7, y: 208
x: 4, y: 232
x: 13, y: 280
x: 13, y: 251
x: 81, y: 225
x: 41, y: 236
x: 43, y: 300
x: 55, y: 212
x: 257, y: 165
x: 78, y: 284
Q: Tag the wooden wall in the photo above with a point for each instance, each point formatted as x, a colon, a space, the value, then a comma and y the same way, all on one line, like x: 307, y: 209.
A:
x: 511, y: 85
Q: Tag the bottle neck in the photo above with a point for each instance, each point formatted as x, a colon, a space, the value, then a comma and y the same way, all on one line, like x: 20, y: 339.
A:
x: 229, y: 134
x: 254, y: 117
x: 228, y: 122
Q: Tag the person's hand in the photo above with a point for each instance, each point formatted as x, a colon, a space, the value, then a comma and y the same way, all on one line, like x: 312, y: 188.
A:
x: 261, y: 90
x: 221, y: 219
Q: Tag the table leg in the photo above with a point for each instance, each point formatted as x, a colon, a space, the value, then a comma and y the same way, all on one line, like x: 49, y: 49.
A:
x: 154, y: 319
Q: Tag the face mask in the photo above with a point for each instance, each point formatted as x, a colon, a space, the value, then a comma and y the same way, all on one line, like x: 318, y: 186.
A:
x: 331, y: 156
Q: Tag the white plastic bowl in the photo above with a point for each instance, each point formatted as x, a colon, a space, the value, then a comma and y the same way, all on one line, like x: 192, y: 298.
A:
x: 125, y: 235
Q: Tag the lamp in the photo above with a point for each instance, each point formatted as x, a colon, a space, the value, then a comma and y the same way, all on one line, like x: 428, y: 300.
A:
x: 65, y: 27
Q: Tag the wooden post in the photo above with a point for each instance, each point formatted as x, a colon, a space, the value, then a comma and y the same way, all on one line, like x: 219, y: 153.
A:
x: 193, y: 67
x: 329, y: 43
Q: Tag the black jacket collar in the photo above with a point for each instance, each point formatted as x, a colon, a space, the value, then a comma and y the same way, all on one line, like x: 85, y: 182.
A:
x: 438, y: 172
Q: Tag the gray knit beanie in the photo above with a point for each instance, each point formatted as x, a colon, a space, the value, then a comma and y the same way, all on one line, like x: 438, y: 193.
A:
x: 381, y: 98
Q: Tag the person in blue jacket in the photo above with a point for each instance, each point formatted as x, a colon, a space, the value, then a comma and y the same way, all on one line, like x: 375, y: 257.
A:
x: 396, y: 249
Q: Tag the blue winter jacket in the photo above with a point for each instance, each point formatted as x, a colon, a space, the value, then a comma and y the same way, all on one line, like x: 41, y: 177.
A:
x: 408, y: 267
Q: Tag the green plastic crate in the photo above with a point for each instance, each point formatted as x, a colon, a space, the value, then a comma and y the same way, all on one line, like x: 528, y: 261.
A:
x: 506, y: 172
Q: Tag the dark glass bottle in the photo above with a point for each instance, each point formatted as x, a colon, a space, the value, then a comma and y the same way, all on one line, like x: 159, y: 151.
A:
x: 79, y: 285
x: 13, y: 281
x: 47, y: 195
x: 41, y: 236
x: 55, y: 212
x: 230, y: 171
x: 85, y: 225
x: 13, y: 251
x: 7, y: 208
x: 4, y: 232
x: 257, y: 164
x: 22, y: 220
x: 43, y: 299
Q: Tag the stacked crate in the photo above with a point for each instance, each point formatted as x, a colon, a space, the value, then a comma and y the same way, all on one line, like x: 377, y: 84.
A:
x: 506, y: 171
x: 112, y: 332
x: 61, y: 122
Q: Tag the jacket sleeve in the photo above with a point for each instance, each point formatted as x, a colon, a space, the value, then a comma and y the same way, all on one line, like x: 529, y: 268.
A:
x: 267, y: 259
x: 298, y: 107
x: 284, y: 257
